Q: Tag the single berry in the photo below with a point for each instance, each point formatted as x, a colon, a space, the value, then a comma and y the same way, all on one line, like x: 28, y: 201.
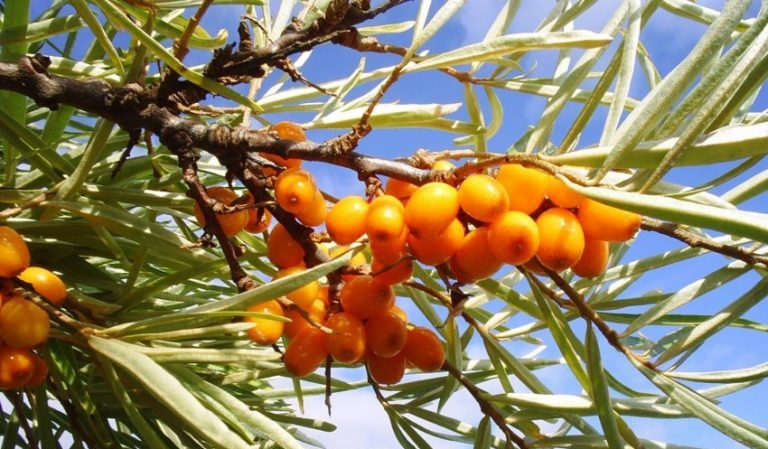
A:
x: 231, y: 223
x: 14, y: 254
x: 346, y: 220
x: 265, y: 331
x: 526, y: 187
x: 483, y: 198
x: 561, y: 239
x: 348, y: 341
x: 513, y: 237
x: 306, y: 352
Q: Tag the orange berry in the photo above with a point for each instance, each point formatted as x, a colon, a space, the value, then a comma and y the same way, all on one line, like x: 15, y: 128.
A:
x: 231, y: 223
x: 282, y: 249
x: 46, y: 284
x: 392, y: 251
x: 562, y: 240
x: 386, y: 334
x: 439, y: 249
x: 603, y: 222
x: 442, y: 165
x: 306, y: 352
x: 16, y: 367
x: 386, y: 370
x: 23, y: 324
x: 304, y: 295
x: 431, y: 209
x: 526, y: 187
x: 315, y: 214
x: 346, y: 220
x: 514, y: 237
x: 265, y: 331
x: 258, y: 219
x: 365, y: 296
x: 39, y: 373
x: 323, y: 295
x: 474, y: 259
x: 285, y: 131
x: 295, y: 190
x: 424, y: 349
x: 393, y: 273
x: 348, y: 341
x: 384, y: 221
x: 593, y: 260
x: 317, y: 312
x: 14, y: 254
x: 402, y: 190
x: 562, y: 195
x: 483, y: 198
x: 399, y: 312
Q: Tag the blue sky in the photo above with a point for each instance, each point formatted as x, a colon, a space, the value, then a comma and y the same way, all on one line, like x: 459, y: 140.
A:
x: 361, y: 422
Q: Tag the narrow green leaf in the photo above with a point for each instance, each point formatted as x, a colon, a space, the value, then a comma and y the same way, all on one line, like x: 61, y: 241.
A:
x: 599, y: 391
x: 738, y: 375
x: 99, y: 33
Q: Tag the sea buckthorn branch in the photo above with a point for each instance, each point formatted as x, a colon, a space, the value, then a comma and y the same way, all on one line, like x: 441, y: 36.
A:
x: 486, y: 407
x: 678, y: 232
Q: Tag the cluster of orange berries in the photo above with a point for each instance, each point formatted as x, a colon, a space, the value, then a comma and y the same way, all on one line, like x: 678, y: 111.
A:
x: 23, y: 324
x: 519, y: 216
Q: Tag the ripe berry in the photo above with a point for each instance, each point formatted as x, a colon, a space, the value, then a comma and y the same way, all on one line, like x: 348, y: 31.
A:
x: 562, y: 195
x: 513, y: 237
x: 304, y: 295
x: 348, y: 341
x: 526, y: 187
x: 16, y: 367
x: 389, y: 370
x: 431, y: 209
x: 346, y: 220
x: 474, y: 259
x: 306, y: 352
x: 603, y: 222
x: 265, y: 331
x: 317, y: 312
x: 384, y: 221
x: 295, y: 190
x: 39, y: 373
x: 391, y: 251
x: 399, y: 312
x: 258, y: 219
x: 593, y: 260
x: 286, y: 131
x: 282, y: 249
x: 365, y: 296
x: 402, y: 190
x: 424, y: 350
x: 231, y: 223
x: 23, y: 324
x: 14, y: 254
x: 440, y: 248
x: 443, y: 165
x: 46, y: 284
x: 562, y: 240
x: 315, y: 214
x: 386, y: 334
x: 393, y: 273
x: 483, y: 198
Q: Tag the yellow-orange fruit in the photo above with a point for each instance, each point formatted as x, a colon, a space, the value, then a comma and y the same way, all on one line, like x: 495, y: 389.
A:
x: 346, y: 220
x: 324, y: 295
x: 562, y: 195
x: 365, y: 296
x: 431, y: 209
x: 386, y: 370
x: 561, y: 239
x: 386, y: 334
x: 46, y: 284
x: 593, y: 260
x: 315, y: 214
x: 304, y: 295
x: 16, y: 367
x: 483, y: 198
x: 384, y: 220
x: 306, y: 352
x: 424, y: 349
x: 14, y: 254
x: 526, y: 187
x: 439, y: 249
x: 392, y: 273
x: 317, y: 312
x: 232, y: 223
x: 265, y: 331
x: 443, y: 165
x: 295, y: 190
x: 39, y: 373
x: 286, y: 131
x: 258, y: 219
x: 513, y: 237
x: 603, y: 222
x: 474, y: 260
x: 23, y: 324
x: 348, y: 341
x: 391, y: 251
x: 355, y: 264
x: 282, y: 249
x: 402, y: 190
x: 399, y: 312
